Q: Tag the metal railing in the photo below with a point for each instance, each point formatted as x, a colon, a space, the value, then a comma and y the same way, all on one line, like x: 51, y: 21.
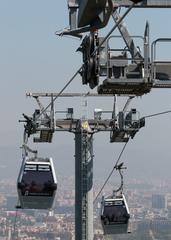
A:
x: 154, y: 61
x: 123, y: 51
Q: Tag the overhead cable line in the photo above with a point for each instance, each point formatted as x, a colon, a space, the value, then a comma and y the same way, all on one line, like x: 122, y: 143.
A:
x: 115, y: 166
x: 110, y: 174
x: 96, y: 49
x: 157, y: 114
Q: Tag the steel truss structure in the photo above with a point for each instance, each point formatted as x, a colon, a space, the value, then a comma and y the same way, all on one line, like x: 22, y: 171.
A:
x: 87, y: 15
x: 121, y: 126
x: 128, y: 71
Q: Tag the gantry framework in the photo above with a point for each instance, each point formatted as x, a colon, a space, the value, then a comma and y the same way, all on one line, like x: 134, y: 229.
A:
x: 122, y: 126
x: 127, y: 70
x: 124, y: 71
x: 86, y: 15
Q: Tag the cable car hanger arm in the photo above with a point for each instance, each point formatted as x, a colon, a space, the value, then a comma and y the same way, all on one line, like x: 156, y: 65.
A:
x: 110, y: 174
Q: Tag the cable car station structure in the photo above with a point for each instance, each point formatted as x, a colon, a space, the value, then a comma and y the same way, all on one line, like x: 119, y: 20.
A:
x: 128, y: 71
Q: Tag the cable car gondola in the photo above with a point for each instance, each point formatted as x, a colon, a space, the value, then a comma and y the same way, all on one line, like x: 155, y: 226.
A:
x: 37, y: 183
x: 114, y: 210
x: 115, y: 215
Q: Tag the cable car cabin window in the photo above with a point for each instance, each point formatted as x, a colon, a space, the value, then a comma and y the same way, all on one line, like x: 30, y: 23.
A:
x: 30, y: 167
x: 44, y: 168
x: 116, y: 202
x: 37, y: 180
x: 115, y: 213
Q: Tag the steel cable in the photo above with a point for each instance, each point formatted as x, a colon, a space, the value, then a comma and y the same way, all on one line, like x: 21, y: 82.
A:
x: 110, y: 174
x: 157, y: 114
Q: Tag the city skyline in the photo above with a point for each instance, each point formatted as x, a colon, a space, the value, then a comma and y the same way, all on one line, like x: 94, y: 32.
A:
x: 147, y: 221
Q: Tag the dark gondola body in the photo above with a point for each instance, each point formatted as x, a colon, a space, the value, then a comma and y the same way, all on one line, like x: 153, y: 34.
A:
x: 115, y: 215
x: 37, y: 184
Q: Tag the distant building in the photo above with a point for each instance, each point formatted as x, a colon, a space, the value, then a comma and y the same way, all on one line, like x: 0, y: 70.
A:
x: 169, y: 208
x: 158, y: 201
x: 158, y: 226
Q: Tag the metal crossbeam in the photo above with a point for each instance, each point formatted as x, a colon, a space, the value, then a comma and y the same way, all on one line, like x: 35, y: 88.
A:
x: 144, y: 4
x: 88, y: 94
x: 71, y: 125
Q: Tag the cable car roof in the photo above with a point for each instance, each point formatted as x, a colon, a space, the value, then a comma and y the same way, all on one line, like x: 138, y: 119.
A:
x: 38, y: 160
x: 113, y: 199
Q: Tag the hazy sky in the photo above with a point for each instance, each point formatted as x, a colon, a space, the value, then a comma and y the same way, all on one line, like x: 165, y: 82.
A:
x: 33, y: 59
